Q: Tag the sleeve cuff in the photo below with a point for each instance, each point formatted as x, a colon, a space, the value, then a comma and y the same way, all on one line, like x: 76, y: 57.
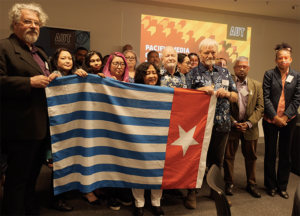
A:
x: 249, y: 124
x: 233, y: 123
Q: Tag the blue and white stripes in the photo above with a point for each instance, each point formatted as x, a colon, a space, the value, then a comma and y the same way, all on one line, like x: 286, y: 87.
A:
x: 107, y: 133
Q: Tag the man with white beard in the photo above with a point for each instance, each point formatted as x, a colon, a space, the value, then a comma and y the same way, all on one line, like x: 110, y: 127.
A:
x: 213, y: 80
x: 24, y: 75
x: 169, y: 76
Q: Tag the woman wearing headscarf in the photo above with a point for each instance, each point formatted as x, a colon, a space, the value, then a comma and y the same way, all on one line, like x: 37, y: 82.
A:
x: 117, y: 67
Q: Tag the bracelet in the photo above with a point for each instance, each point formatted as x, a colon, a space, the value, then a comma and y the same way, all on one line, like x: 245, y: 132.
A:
x: 229, y: 96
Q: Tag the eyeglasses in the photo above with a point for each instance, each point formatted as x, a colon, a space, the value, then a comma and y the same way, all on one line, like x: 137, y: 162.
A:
x: 117, y: 64
x: 188, y: 63
x: 241, y: 66
x: 30, y: 22
x: 130, y: 58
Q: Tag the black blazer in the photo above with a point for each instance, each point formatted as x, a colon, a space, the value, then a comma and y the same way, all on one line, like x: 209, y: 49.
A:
x: 272, y: 87
x: 23, y: 108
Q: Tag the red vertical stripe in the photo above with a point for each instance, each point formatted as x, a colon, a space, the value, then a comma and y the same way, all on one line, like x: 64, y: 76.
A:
x: 189, y: 108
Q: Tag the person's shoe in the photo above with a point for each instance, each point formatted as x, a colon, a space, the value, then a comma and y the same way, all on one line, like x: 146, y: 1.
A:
x: 253, y: 191
x: 113, y: 204
x: 271, y: 192
x: 95, y: 202
x: 229, y: 202
x: 125, y: 200
x: 158, y: 211
x: 283, y: 194
x: 139, y: 211
x: 175, y: 193
x: 229, y: 189
x: 190, y: 202
x: 62, y: 205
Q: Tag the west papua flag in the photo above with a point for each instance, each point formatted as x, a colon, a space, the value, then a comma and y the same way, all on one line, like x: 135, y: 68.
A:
x: 106, y: 133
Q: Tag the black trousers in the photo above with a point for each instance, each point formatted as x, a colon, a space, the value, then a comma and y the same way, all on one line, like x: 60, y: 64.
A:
x: 271, y: 181
x: 24, y: 159
x: 216, y: 149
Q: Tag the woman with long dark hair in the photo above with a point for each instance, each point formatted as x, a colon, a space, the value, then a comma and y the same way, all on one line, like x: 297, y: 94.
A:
x: 93, y: 62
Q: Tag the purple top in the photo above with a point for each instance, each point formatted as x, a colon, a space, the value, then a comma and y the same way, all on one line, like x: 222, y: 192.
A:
x: 242, y: 100
x: 38, y: 60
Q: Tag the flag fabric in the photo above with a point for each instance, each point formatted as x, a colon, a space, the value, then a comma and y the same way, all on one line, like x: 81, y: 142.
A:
x: 106, y: 133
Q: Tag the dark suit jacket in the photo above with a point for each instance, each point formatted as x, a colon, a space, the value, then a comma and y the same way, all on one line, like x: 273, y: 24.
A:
x: 23, y: 108
x: 272, y: 87
x: 254, y: 110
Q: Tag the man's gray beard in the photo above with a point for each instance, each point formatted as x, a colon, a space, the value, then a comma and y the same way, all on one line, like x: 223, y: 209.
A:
x: 210, y: 62
x: 30, y: 39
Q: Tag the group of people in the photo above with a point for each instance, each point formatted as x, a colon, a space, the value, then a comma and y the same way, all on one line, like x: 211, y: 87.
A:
x: 25, y: 71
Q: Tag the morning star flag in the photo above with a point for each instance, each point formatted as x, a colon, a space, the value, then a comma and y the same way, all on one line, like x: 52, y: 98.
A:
x: 106, y: 133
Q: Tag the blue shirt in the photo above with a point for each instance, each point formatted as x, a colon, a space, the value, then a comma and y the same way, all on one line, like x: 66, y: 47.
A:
x: 201, y: 76
x: 168, y: 80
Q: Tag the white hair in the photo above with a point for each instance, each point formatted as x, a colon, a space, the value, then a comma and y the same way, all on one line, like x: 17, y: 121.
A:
x: 15, y: 13
x: 241, y: 58
x: 162, y: 52
x: 207, y: 42
x: 138, y: 62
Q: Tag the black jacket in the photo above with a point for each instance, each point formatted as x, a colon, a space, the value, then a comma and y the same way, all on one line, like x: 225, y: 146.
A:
x: 272, y: 87
x: 23, y: 112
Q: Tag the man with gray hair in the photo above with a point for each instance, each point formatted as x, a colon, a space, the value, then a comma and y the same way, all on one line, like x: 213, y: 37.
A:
x: 24, y: 75
x: 213, y: 80
x: 245, y: 115
x: 169, y: 76
x: 153, y: 57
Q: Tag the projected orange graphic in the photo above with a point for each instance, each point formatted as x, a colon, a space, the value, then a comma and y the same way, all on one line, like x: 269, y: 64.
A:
x: 185, y: 36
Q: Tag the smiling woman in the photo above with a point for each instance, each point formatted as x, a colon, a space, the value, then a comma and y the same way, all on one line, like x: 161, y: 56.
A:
x: 117, y: 67
x: 93, y: 62
x: 147, y: 73
x: 63, y: 62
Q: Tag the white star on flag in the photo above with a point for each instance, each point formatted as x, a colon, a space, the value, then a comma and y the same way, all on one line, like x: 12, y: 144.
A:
x: 185, y: 139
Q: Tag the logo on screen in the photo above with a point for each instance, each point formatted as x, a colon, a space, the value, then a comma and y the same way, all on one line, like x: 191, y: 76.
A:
x: 237, y: 32
x: 62, y: 38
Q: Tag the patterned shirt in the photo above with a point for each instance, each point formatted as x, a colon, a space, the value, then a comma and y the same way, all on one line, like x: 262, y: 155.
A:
x: 130, y: 79
x: 219, y: 77
x: 168, y: 80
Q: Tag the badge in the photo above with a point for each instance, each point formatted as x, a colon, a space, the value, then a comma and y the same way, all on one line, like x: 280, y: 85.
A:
x: 289, y: 78
x: 244, y: 92
x: 225, y: 82
x: 46, y: 65
x: 213, y: 85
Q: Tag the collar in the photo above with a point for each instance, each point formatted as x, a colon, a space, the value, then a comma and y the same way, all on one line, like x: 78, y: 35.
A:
x: 204, y: 69
x: 22, y: 43
x: 243, y: 83
x: 163, y: 72
x: 286, y: 73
